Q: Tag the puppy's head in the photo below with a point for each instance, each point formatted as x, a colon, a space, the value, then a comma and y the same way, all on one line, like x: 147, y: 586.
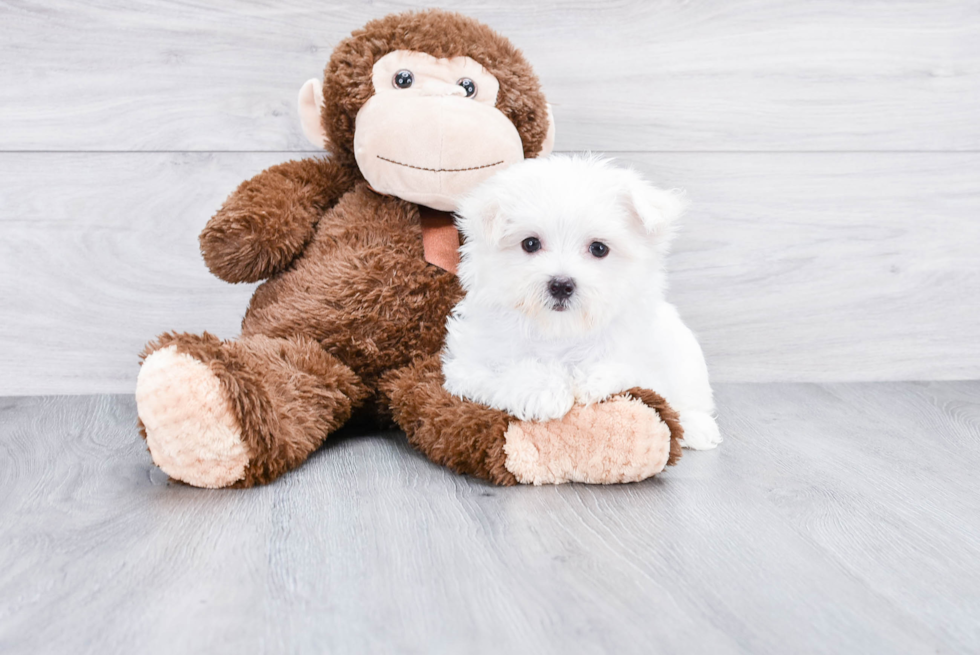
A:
x: 568, y: 241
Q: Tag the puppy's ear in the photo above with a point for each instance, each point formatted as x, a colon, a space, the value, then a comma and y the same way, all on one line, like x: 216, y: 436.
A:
x: 479, y: 217
x: 656, y: 210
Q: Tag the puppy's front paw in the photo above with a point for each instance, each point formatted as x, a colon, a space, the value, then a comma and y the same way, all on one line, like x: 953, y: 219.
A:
x: 598, y: 384
x: 595, y: 389
x: 700, y: 431
x: 545, y: 404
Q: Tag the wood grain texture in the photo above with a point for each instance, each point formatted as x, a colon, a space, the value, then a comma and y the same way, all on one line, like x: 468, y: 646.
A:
x: 788, y: 267
x: 633, y: 75
x: 840, y: 518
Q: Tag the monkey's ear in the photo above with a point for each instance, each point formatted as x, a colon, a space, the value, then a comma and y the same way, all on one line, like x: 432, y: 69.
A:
x: 310, y: 108
x: 549, y: 139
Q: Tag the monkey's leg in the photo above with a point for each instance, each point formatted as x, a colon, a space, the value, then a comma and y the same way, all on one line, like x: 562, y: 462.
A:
x: 627, y: 438
x: 465, y: 436
x: 238, y: 413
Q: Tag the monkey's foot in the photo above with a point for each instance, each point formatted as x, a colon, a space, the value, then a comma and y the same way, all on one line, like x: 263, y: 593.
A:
x: 190, y: 425
x: 624, y: 439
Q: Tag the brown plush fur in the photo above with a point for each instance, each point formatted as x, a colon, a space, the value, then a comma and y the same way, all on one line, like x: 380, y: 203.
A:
x: 351, y: 318
x: 362, y: 288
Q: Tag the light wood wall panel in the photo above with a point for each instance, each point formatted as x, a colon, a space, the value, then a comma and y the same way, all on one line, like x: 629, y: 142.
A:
x: 859, y: 266
x: 637, y: 75
x: 831, y: 150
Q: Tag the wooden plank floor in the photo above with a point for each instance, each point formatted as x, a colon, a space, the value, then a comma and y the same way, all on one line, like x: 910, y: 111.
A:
x: 837, y: 518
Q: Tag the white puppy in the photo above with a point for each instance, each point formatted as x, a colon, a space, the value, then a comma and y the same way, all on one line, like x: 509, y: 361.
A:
x: 563, y: 267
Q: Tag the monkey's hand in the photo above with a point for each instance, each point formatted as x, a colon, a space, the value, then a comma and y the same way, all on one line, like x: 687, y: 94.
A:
x: 269, y: 219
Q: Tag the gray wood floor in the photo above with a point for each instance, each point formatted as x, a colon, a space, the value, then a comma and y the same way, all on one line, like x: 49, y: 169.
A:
x: 836, y: 518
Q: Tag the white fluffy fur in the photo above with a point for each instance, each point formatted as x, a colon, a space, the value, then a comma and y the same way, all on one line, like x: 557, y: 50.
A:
x: 507, y: 345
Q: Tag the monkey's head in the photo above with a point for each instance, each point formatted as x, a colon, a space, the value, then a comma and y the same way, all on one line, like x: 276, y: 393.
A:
x: 427, y: 105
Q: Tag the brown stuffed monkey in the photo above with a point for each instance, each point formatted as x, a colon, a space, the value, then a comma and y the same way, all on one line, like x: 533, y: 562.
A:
x: 357, y: 252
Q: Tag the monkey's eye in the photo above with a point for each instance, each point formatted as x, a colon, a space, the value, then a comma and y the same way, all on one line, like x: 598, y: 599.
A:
x: 403, y: 79
x: 531, y: 244
x: 468, y: 85
x: 598, y: 249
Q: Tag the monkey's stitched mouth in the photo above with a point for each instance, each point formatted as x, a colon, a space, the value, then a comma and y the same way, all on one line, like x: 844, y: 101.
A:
x: 441, y: 170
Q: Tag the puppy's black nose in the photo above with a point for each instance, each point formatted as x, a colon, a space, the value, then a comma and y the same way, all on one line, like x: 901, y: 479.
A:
x: 561, y: 288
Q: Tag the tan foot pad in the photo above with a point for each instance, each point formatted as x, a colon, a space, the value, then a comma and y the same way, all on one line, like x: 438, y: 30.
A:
x: 191, y: 429
x: 620, y: 440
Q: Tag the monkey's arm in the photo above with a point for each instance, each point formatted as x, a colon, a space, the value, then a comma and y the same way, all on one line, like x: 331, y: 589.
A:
x: 269, y: 219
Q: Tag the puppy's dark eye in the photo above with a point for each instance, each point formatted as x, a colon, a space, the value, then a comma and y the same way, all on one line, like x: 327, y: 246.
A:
x: 598, y: 249
x: 468, y: 85
x: 531, y: 244
x: 403, y: 79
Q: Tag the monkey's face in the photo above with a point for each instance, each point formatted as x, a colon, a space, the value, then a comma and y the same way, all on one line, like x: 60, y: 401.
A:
x: 431, y: 131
